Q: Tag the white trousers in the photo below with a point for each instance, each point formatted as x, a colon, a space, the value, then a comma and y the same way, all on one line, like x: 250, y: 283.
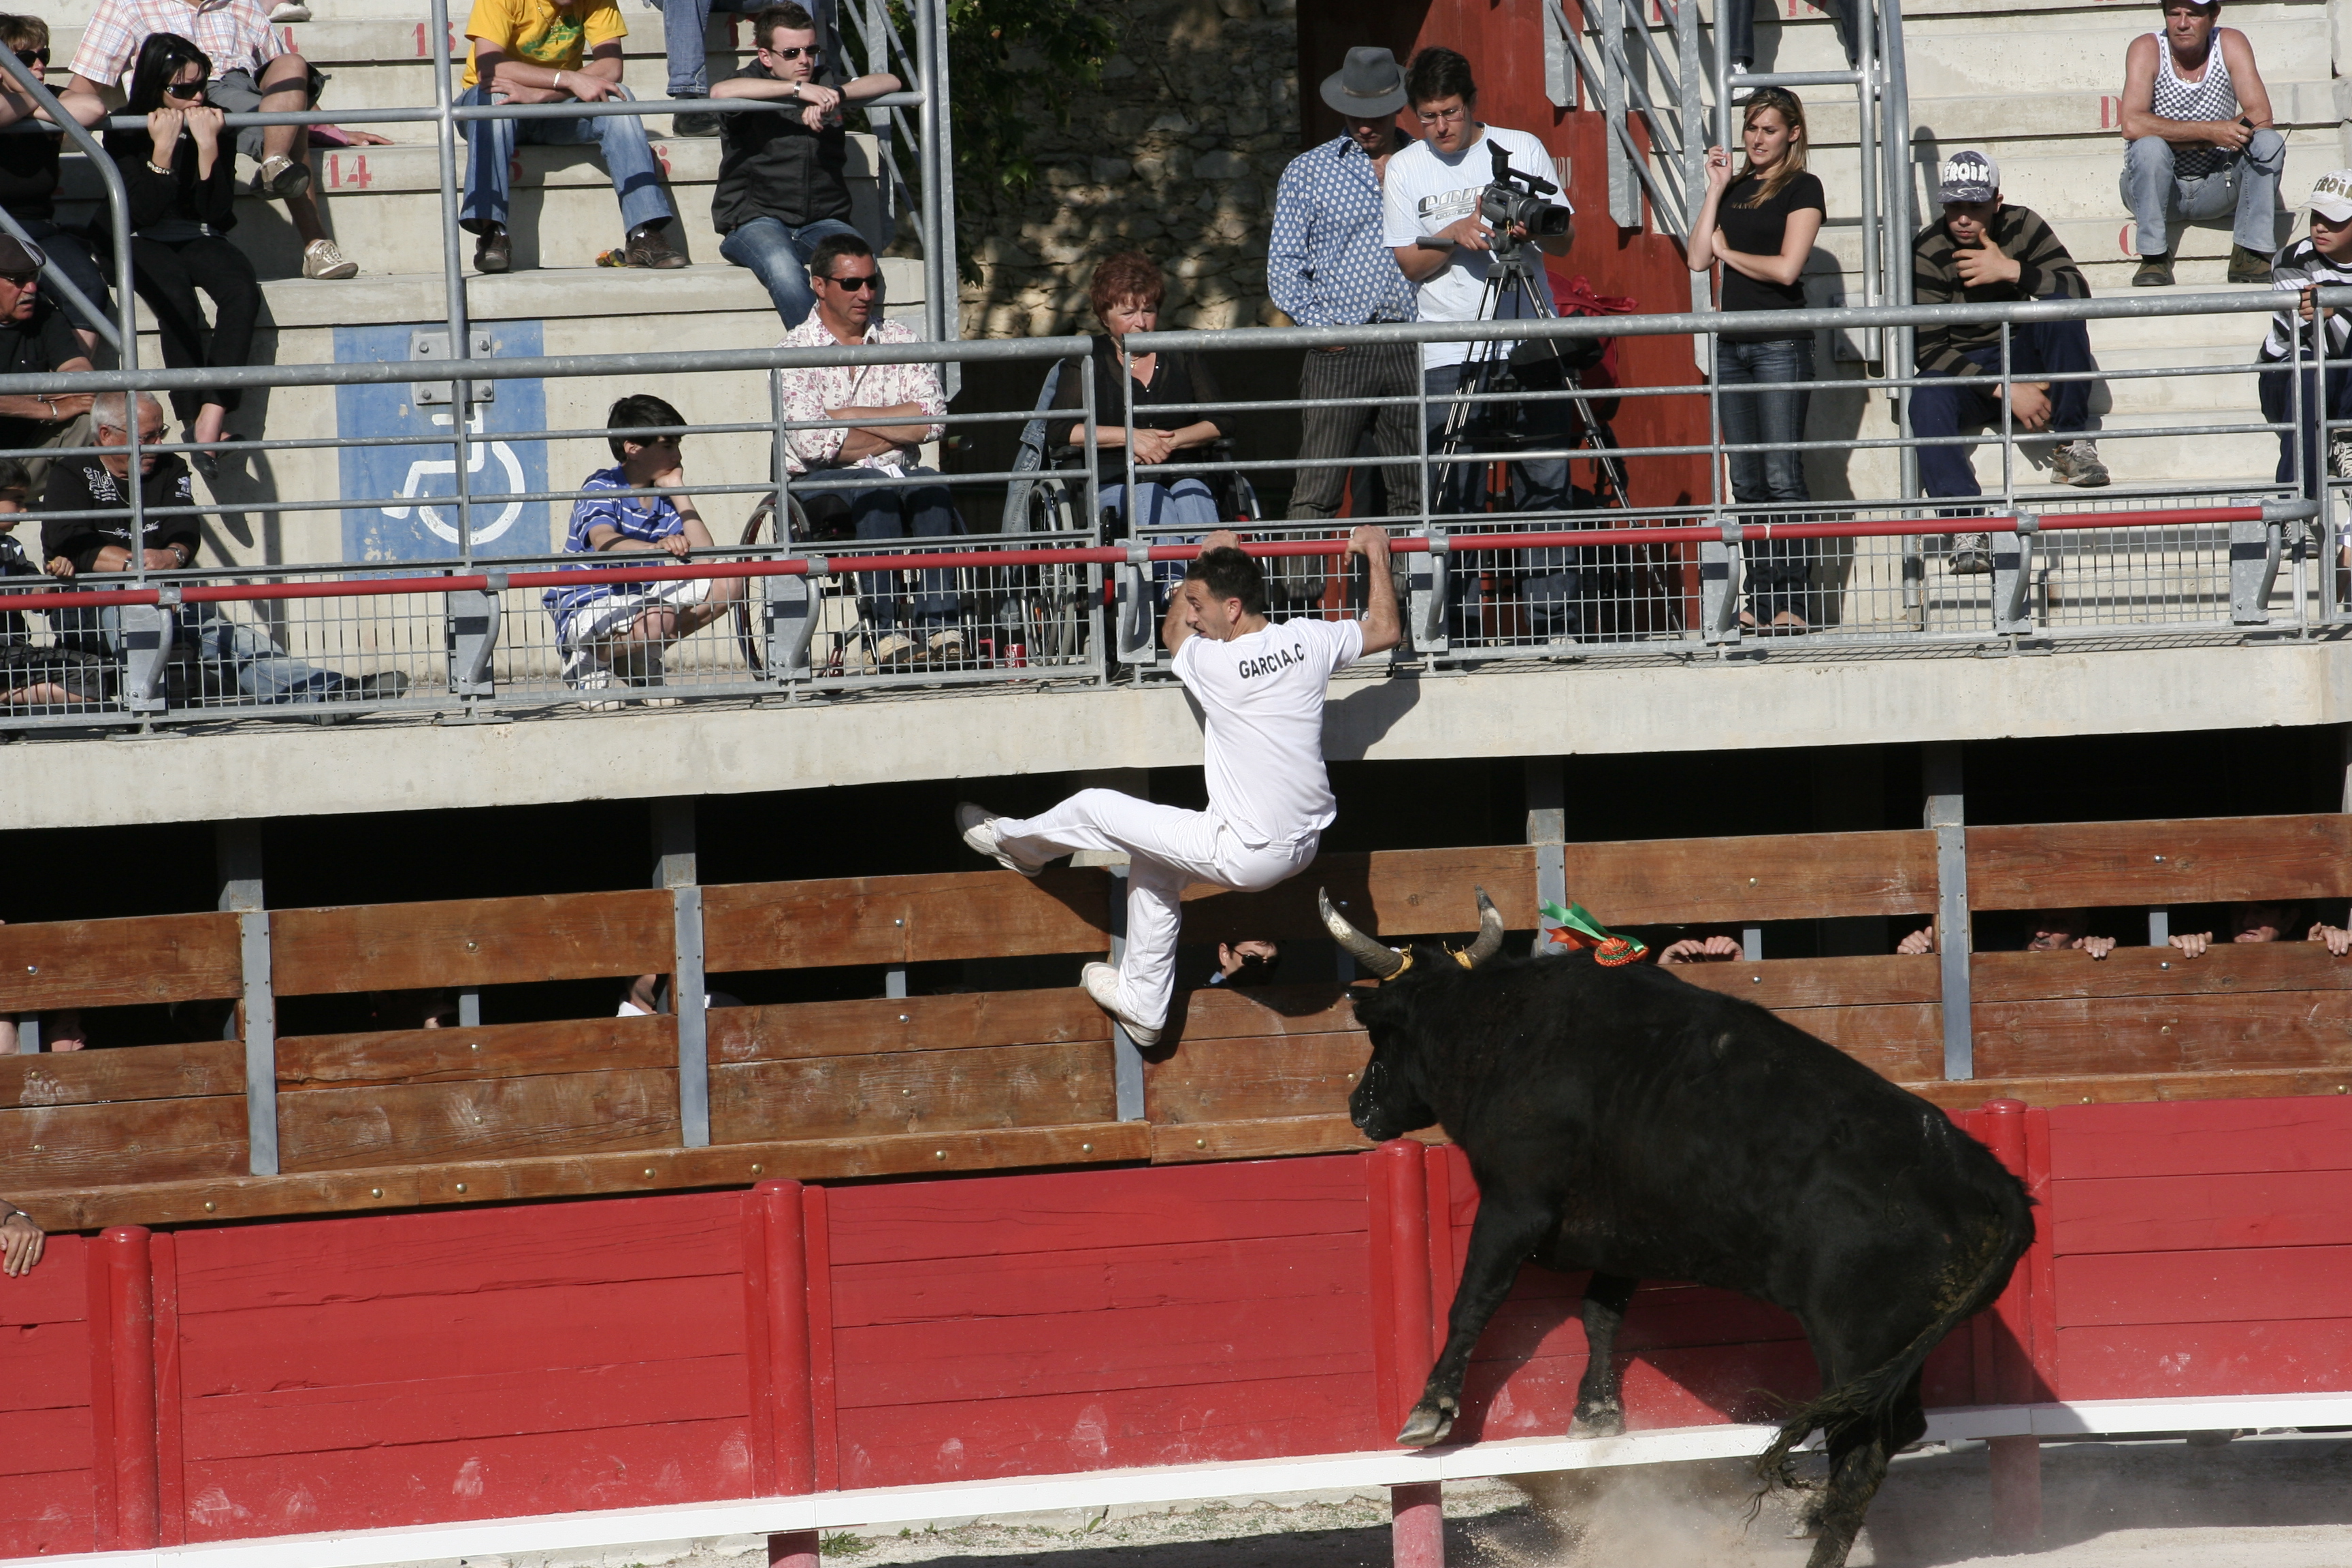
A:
x: 1168, y: 850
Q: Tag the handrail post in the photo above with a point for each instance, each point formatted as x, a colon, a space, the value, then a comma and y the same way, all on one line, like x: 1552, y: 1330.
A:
x: 453, y: 275
x: 1947, y: 812
x: 674, y: 868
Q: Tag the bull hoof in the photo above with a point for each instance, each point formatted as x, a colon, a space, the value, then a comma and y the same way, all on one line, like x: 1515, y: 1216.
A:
x: 1603, y: 1421
x: 1428, y: 1424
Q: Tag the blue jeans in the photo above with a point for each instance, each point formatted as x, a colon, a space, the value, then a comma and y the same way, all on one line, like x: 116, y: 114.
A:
x: 1188, y: 503
x: 1551, y: 586
x: 778, y: 255
x: 904, y: 511
x: 2243, y: 187
x: 1779, y: 571
x: 2277, y: 390
x: 619, y: 139
x: 233, y: 656
x: 2054, y: 346
x: 683, y: 24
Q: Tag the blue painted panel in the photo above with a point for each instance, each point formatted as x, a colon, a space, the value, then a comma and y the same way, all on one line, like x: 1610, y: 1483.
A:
x: 420, y: 531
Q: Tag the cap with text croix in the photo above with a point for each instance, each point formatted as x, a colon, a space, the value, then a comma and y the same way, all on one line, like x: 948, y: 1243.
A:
x: 1968, y: 177
x: 2331, y: 195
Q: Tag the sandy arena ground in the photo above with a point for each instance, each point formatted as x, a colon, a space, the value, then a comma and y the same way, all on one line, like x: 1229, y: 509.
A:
x: 2278, y: 1501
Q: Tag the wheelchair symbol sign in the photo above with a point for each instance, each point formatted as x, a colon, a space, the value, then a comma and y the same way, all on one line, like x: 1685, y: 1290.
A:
x: 399, y: 496
x: 482, y: 454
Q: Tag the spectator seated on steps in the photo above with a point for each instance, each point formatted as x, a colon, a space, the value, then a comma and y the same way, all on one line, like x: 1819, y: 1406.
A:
x: 2265, y: 922
x: 620, y: 632
x: 36, y: 337
x: 254, y: 72
x: 31, y: 676
x: 1983, y: 251
x: 2199, y: 142
x: 87, y: 528
x: 783, y: 182
x: 29, y: 173
x: 2321, y: 259
x: 180, y: 179
x: 530, y: 51
x: 2053, y: 931
x: 885, y: 411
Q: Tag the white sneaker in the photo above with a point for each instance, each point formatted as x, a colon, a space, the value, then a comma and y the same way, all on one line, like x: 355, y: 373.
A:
x: 597, y: 679
x: 1101, y: 980
x: 2076, y: 463
x: 978, y: 825
x: 891, y: 650
x: 2339, y: 454
x: 1971, y: 555
x: 290, y: 11
x: 324, y: 259
x: 945, y: 648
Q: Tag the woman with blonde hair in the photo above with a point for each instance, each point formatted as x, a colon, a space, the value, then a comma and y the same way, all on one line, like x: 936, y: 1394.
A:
x: 1759, y: 227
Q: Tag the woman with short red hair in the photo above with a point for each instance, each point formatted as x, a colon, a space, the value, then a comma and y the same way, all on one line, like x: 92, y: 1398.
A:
x: 1126, y: 291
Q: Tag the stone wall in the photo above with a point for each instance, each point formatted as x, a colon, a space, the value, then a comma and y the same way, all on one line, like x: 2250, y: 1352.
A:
x: 1174, y: 153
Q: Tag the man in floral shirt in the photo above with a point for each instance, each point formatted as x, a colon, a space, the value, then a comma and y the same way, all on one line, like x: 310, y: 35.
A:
x: 884, y: 413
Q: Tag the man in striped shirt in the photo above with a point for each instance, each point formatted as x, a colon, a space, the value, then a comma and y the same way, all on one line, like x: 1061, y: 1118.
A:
x: 2322, y: 259
x: 1983, y: 251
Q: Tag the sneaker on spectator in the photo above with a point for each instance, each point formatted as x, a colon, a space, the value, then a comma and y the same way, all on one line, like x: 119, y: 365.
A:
x: 647, y: 248
x: 325, y: 258
x: 2247, y: 266
x: 891, y: 650
x: 945, y: 648
x: 384, y: 685
x: 290, y: 11
x: 2077, y: 463
x: 2339, y: 455
x: 280, y: 178
x: 598, y: 679
x: 2154, y: 272
x: 1971, y: 555
x: 493, y: 251
x: 703, y: 124
x: 1740, y: 91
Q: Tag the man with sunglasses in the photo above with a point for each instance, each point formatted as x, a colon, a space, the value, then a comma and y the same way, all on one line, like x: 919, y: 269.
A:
x: 35, y: 338
x: 254, y: 72
x: 29, y: 173
x: 860, y: 398
x: 782, y: 185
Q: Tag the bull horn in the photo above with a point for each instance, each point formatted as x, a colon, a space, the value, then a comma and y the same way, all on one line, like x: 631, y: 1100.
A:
x: 1377, y: 960
x: 1490, y: 933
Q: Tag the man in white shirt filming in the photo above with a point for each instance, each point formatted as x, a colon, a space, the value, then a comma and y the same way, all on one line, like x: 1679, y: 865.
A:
x: 1260, y: 687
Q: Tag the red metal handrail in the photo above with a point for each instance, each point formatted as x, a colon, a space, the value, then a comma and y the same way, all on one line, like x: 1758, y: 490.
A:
x: 818, y: 565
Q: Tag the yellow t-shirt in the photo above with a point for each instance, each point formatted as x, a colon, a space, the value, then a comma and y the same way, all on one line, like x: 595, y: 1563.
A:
x: 556, y: 35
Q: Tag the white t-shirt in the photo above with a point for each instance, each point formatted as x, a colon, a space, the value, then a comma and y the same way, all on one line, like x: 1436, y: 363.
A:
x: 1261, y: 696
x: 1424, y: 191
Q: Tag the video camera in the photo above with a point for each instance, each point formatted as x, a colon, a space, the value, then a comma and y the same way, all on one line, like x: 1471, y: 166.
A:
x: 1516, y: 198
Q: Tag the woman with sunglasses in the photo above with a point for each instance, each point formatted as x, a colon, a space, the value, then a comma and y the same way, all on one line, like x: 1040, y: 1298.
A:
x: 28, y: 174
x: 180, y: 173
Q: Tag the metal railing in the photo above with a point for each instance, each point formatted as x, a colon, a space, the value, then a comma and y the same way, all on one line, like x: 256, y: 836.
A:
x: 1063, y: 593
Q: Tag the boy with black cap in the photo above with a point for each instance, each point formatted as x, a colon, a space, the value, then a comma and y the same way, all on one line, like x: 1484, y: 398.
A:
x: 2323, y: 258
x: 1260, y: 687
x: 1984, y: 252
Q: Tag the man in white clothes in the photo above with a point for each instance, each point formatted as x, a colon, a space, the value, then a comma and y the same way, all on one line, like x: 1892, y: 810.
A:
x: 1431, y: 192
x: 1260, y: 687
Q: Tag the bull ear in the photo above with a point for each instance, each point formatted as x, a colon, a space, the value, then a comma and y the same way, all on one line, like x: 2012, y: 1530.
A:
x: 1490, y: 933
x: 1376, y: 960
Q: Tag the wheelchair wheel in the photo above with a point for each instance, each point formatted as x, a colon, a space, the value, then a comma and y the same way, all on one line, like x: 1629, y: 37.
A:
x: 760, y: 523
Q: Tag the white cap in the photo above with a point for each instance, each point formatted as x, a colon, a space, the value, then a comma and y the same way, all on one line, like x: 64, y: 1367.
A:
x: 2331, y: 195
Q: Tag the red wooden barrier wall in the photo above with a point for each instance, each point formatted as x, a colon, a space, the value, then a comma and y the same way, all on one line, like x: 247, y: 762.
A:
x: 384, y: 1370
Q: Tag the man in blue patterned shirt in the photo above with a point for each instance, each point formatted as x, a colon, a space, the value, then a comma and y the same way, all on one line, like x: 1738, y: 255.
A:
x: 1326, y: 266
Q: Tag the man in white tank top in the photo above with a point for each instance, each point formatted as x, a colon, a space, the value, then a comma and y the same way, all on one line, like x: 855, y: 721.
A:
x: 1260, y: 686
x: 2199, y: 142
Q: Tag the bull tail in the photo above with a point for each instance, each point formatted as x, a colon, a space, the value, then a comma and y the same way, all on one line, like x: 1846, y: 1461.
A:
x: 1871, y: 1398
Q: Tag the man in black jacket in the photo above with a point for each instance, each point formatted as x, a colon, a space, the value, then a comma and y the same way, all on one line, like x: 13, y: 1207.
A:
x: 237, y: 658
x: 783, y: 176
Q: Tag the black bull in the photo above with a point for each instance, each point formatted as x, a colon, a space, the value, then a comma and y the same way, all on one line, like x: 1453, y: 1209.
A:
x: 1620, y: 1121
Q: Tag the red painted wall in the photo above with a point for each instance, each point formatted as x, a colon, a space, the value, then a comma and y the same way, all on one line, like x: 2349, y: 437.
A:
x: 401, y: 1369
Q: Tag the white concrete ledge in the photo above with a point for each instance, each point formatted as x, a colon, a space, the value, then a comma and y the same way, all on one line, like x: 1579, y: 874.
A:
x: 382, y: 764
x: 1171, y: 1483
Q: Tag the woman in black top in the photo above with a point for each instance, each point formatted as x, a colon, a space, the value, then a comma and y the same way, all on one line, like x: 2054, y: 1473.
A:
x: 179, y: 175
x: 1126, y: 291
x: 1761, y: 228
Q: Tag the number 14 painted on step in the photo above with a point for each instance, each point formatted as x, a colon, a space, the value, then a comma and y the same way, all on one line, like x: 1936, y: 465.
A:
x: 359, y: 179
